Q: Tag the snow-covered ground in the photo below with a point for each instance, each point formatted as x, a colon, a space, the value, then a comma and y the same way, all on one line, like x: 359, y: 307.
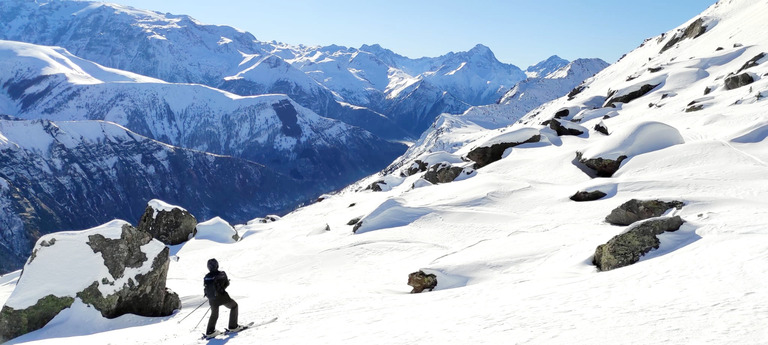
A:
x: 511, y: 252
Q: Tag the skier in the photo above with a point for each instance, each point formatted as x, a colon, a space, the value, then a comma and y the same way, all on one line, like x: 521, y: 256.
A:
x: 215, y: 283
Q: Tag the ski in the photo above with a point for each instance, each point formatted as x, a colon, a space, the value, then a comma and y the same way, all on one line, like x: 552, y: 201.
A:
x: 251, y: 325
x: 212, y: 335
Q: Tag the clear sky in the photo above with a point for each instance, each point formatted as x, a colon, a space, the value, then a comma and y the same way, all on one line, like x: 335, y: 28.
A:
x: 521, y: 32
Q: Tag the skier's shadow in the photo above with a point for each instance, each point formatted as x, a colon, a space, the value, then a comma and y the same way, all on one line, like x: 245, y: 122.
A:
x: 227, y: 338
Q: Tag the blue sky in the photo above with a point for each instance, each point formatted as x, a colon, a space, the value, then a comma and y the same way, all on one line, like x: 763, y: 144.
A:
x: 521, y: 32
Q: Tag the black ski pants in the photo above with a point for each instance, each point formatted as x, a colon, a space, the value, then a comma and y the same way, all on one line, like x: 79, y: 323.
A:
x: 222, y: 300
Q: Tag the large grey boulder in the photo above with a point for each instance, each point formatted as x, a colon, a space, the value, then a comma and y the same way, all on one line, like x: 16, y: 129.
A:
x: 115, y: 268
x: 627, y: 248
x: 737, y: 81
x: 634, y: 210
x: 170, y: 224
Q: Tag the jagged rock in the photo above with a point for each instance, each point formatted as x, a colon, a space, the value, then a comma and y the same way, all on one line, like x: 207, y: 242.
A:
x: 655, y: 69
x: 354, y: 221
x: 357, y: 226
x: 629, y: 97
x: 588, y: 196
x: 170, y: 224
x: 415, y: 168
x: 127, y: 276
x: 483, y: 156
x: 602, y: 166
x: 737, y: 81
x: 376, y: 186
x: 442, y: 173
x: 602, y: 128
x: 562, y: 113
x: 563, y: 130
x: 576, y: 90
x: 421, y: 281
x: 634, y: 210
x: 627, y: 248
x: 694, y: 30
x: 752, y: 62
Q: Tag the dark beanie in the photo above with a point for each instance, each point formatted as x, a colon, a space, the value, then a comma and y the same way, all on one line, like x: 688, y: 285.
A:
x: 213, y: 265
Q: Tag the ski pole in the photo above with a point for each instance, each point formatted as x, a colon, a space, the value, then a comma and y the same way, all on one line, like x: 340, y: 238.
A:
x: 201, y: 319
x: 190, y: 313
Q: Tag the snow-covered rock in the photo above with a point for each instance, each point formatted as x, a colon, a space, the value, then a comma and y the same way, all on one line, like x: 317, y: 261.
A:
x: 115, y: 268
x: 217, y: 230
x: 167, y: 223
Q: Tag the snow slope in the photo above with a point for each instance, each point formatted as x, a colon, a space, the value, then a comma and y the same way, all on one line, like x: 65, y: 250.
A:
x: 511, y: 252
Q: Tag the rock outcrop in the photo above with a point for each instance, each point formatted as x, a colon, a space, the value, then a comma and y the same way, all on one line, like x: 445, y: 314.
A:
x: 629, y: 96
x: 115, y: 268
x: 588, y: 196
x: 603, y: 167
x: 485, y: 155
x: 695, y: 29
x: 169, y: 224
x: 627, y: 248
x: 421, y: 281
x: 562, y: 130
x: 415, y: 168
x: 737, y: 81
x: 443, y: 173
x: 635, y: 210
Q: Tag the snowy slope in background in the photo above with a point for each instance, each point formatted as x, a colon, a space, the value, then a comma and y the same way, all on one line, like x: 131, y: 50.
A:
x: 49, y: 83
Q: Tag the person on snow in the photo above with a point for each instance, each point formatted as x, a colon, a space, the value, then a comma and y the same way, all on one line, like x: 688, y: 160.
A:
x: 215, y: 284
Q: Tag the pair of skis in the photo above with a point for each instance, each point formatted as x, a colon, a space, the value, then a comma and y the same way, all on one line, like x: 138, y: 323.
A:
x: 228, y: 332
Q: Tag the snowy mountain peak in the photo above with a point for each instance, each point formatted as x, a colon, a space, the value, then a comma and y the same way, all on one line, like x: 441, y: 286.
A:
x: 543, y: 68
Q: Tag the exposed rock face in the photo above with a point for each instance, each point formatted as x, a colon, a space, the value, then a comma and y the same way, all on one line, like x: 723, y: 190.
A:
x: 147, y: 296
x: 14, y: 323
x: 421, y: 281
x: 752, y: 62
x: 483, y: 156
x: 629, y: 97
x: 576, y: 90
x: 627, y: 248
x: 587, y: 196
x: 563, y: 130
x: 603, y: 167
x: 171, y: 224
x: 737, y: 81
x: 376, y: 186
x: 602, y: 128
x: 443, y: 173
x: 137, y: 267
x: 415, y: 168
x: 694, y: 30
x: 354, y: 221
x: 634, y: 210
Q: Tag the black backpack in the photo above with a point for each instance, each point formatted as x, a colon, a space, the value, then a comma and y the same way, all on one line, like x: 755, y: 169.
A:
x: 214, y: 284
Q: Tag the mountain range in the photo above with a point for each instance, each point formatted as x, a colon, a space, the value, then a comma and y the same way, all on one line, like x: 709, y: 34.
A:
x: 317, y: 117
